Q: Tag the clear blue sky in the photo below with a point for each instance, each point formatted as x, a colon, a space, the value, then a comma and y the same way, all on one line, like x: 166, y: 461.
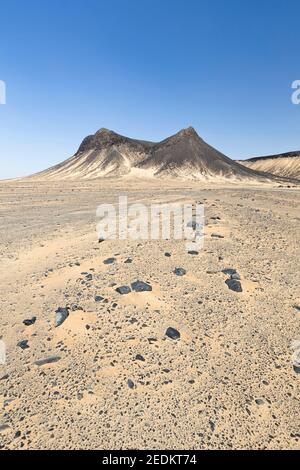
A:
x: 146, y: 68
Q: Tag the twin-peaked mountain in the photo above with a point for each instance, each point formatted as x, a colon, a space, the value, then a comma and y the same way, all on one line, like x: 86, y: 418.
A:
x: 184, y: 155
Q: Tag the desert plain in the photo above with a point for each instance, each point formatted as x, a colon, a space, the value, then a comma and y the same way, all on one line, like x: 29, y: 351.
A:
x: 115, y: 380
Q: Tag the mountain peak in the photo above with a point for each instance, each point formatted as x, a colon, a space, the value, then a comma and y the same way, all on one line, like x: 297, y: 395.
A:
x: 106, y: 135
x: 189, y: 132
x: 104, y: 131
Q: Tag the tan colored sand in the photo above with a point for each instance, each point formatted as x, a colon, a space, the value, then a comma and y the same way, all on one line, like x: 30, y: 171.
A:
x: 200, y: 392
x: 288, y: 167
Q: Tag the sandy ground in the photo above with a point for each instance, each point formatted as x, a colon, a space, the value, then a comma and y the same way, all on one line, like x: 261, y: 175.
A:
x: 227, y: 383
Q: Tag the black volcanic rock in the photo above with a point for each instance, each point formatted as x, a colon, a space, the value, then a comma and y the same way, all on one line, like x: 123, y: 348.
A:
x: 141, y: 286
x: 130, y: 384
x: 179, y: 271
x: 62, y: 314
x: 47, y: 360
x: 109, y: 261
x: 29, y: 321
x: 23, y: 344
x: 107, y: 138
x: 234, y: 285
x: 123, y: 290
x: 172, y: 333
x: 184, y: 155
x: 139, y: 357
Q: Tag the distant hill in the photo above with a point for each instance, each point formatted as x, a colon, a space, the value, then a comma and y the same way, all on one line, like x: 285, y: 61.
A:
x: 285, y: 164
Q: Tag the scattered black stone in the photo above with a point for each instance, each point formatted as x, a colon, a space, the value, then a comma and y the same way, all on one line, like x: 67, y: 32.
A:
x: 130, y: 384
x: 18, y: 434
x: 216, y: 235
x: 229, y: 271
x: 168, y: 255
x: 297, y: 370
x: 62, y: 314
x: 4, y: 427
x: 139, y: 357
x: 212, y: 426
x: 98, y: 298
x: 140, y: 286
x: 193, y: 253
x: 179, y: 271
x: 297, y: 307
x: 23, y: 344
x: 100, y: 240
x: 109, y: 260
x: 172, y: 333
x: 259, y: 402
x: 128, y: 261
x: 89, y: 277
x: 123, y: 290
x: 216, y: 218
x: 30, y: 321
x: 194, y: 225
x: 234, y: 285
x: 47, y: 360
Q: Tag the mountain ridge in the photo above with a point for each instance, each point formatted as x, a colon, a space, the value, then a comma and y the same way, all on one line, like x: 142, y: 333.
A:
x: 184, y: 155
x: 285, y: 165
